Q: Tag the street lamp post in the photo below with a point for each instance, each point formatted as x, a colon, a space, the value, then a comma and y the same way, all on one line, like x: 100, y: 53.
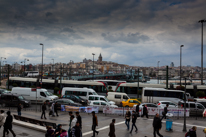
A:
x: 184, y: 126
x: 42, y: 63
x: 158, y: 72
x: 93, y: 66
x: 181, y: 62
x: 0, y: 68
x: 202, y: 21
x: 53, y: 65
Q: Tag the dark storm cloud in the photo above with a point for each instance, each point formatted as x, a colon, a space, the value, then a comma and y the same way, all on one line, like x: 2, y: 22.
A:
x: 129, y: 38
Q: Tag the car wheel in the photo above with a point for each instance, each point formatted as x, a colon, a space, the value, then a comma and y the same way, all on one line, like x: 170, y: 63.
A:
x: 126, y: 106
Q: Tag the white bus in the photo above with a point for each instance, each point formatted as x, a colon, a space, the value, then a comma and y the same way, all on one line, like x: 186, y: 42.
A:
x: 153, y: 95
x: 32, y: 73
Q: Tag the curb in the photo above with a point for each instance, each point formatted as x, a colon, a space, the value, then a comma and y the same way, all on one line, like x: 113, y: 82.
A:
x: 29, y: 125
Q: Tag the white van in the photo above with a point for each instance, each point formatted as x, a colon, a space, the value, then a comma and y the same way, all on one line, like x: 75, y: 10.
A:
x: 98, y: 98
x: 33, y: 94
x: 117, y: 97
x: 82, y: 92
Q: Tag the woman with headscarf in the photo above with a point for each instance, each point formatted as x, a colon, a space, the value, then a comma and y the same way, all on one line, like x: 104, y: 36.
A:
x: 8, y: 124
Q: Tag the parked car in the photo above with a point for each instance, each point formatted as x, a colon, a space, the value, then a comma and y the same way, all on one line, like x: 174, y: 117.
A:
x: 201, y: 101
x: 101, y: 104
x: 98, y: 97
x: 130, y: 102
x: 9, y: 99
x: 117, y: 97
x: 4, y: 91
x: 68, y: 102
x: 148, y: 105
x: 195, y: 107
x: 164, y: 103
x: 76, y: 99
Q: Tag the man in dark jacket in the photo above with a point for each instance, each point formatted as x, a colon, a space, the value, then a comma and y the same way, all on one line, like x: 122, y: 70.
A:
x: 137, y: 110
x: 43, y: 110
x: 157, y: 125
x: 8, y: 124
x: 94, y: 123
x: 19, y: 107
x: 134, y: 118
x: 112, y: 129
x: 79, y: 119
x: 165, y: 112
x: 76, y: 131
x: 145, y: 111
x: 56, y: 108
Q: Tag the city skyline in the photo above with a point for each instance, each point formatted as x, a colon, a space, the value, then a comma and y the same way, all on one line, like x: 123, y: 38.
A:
x: 136, y: 33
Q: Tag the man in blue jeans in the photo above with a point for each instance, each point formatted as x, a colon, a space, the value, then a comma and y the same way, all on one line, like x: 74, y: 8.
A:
x: 127, y: 118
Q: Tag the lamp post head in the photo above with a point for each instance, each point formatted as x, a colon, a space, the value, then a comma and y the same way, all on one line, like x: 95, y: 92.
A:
x: 201, y: 21
x: 41, y: 44
x: 93, y: 54
x: 182, y: 46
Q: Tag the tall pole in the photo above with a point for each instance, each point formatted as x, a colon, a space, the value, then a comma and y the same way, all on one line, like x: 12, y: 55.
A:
x: 184, y: 126
x: 42, y: 63
x: 137, y: 82
x: 53, y: 65
x: 158, y: 72
x: 0, y: 69
x: 202, y: 21
x: 8, y: 78
x: 93, y: 67
x: 181, y: 62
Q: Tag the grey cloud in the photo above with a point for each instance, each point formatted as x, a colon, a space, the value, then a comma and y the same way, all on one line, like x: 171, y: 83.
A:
x: 49, y: 14
x: 129, y: 38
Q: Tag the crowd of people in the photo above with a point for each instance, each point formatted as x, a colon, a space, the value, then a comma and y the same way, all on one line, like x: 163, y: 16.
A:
x: 75, y: 123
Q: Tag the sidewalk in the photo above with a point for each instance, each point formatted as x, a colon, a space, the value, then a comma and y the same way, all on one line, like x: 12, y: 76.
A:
x: 144, y: 126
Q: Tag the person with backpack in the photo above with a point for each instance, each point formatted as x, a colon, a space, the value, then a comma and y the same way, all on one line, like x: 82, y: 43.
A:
x: 134, y: 118
x: 157, y: 125
x: 127, y: 118
x: 76, y: 130
x: 165, y: 112
x: 191, y: 132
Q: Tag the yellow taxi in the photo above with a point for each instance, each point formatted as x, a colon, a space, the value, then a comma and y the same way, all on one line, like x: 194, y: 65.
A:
x: 130, y: 103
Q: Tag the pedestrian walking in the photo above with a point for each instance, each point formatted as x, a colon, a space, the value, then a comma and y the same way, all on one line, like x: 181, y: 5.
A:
x: 127, y: 118
x: 192, y: 132
x: 165, y: 112
x: 79, y: 119
x: 70, y: 120
x: 19, y: 107
x: 157, y: 125
x: 72, y: 124
x: 112, y: 129
x: 76, y: 130
x: 56, y: 109
x: 2, y: 118
x: 137, y: 110
x: 43, y: 108
x: 94, y: 124
x: 8, y: 124
x: 52, y: 109
x: 145, y: 111
x: 134, y: 119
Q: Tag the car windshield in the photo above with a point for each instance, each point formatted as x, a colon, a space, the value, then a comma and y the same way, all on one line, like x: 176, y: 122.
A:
x: 77, y: 97
x: 94, y: 93
x: 106, y: 99
x: 5, y: 91
x: 71, y: 101
x: 21, y: 97
x: 48, y: 93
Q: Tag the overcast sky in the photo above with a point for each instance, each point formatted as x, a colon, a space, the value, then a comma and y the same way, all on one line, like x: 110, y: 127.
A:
x: 133, y: 32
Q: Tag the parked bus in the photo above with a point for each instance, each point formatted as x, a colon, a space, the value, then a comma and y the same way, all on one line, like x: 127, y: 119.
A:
x: 31, y: 73
x: 153, y: 95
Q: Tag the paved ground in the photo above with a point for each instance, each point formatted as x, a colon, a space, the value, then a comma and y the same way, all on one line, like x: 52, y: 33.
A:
x: 144, y: 126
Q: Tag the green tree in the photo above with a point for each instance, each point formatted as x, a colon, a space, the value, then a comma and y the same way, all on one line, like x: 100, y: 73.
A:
x: 56, y: 89
x: 200, y: 94
x: 110, y: 89
x: 180, y: 88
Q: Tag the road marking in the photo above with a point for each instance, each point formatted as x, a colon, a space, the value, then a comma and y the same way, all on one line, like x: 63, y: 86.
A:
x: 90, y: 132
x: 99, y: 129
